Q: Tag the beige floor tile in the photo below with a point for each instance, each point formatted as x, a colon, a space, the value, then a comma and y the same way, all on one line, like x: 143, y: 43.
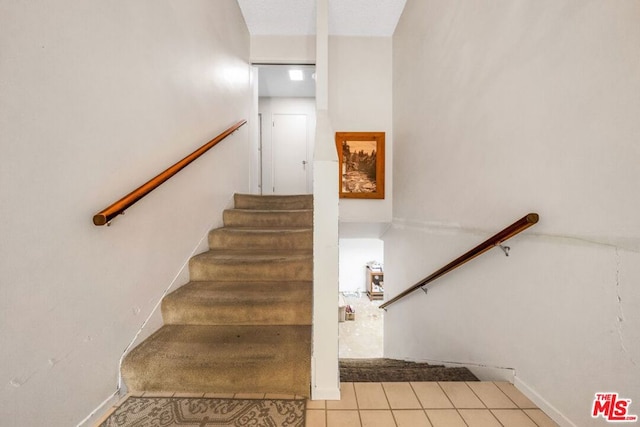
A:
x: 347, y: 398
x: 377, y: 419
x: 513, y: 418
x: 491, y: 395
x: 540, y: 418
x: 479, y: 418
x: 411, y: 418
x: 431, y: 395
x: 370, y: 396
x: 461, y: 395
x: 401, y: 396
x: 316, y: 404
x: 343, y: 419
x: 316, y: 418
x: 249, y: 396
x: 445, y: 418
x: 515, y: 395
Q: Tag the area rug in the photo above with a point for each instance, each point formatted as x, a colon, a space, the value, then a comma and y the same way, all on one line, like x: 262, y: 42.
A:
x: 204, y: 412
x: 390, y: 370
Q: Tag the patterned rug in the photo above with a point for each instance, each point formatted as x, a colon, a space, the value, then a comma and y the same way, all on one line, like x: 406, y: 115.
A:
x: 203, y: 412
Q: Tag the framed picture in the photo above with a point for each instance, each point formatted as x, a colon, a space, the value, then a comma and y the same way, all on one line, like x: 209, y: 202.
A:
x: 361, y: 160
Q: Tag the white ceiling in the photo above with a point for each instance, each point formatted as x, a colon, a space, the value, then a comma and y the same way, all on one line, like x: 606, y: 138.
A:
x: 368, y: 18
x: 274, y: 81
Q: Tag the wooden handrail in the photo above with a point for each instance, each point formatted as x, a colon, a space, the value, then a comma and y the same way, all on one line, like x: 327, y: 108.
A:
x: 107, y: 214
x: 515, y: 228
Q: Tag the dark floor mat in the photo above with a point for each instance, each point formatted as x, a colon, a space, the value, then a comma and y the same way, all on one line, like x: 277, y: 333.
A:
x: 391, y: 370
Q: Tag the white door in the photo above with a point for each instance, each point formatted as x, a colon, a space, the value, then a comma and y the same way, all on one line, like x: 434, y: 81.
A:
x: 290, y: 163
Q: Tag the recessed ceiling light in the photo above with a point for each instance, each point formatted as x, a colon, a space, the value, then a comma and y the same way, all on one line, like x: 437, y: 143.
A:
x: 296, y: 75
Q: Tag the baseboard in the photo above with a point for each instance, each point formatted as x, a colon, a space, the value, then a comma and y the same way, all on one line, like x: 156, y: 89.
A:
x: 98, y: 413
x: 325, y: 394
x: 491, y: 373
x: 542, y: 403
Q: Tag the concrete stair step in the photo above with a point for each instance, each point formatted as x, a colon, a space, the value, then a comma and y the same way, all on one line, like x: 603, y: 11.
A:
x: 261, y: 238
x: 219, y: 265
x: 268, y: 218
x: 238, y: 303
x: 225, y: 359
x: 251, y: 201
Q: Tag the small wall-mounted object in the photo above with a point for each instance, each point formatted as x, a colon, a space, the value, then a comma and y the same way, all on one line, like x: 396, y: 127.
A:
x: 361, y: 164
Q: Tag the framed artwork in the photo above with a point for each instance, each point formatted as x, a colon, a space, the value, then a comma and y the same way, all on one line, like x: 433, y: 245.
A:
x: 361, y: 164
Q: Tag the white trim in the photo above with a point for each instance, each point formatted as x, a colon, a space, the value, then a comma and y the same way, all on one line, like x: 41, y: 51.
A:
x: 111, y: 400
x: 325, y: 394
x: 492, y: 373
x: 542, y: 403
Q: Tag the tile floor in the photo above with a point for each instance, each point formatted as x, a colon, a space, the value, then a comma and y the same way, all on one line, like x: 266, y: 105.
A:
x: 427, y: 404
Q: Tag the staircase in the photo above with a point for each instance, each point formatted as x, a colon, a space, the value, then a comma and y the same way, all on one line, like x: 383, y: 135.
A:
x: 243, y: 322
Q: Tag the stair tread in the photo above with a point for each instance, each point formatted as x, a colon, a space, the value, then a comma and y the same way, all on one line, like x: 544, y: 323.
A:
x: 268, y: 217
x: 180, y: 340
x: 270, y: 211
x: 221, y: 358
x: 211, y: 293
x: 265, y: 230
x: 211, y: 302
x: 252, y: 201
x: 281, y: 239
x: 253, y: 255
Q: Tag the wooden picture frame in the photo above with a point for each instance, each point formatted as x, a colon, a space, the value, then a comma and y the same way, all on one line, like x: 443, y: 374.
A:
x: 361, y: 164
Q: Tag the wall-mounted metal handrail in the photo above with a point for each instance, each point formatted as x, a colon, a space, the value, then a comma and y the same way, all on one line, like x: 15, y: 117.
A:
x: 515, y: 228
x: 107, y: 214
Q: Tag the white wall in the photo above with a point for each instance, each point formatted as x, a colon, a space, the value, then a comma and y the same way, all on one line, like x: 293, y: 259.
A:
x: 360, y: 100
x: 270, y: 106
x: 95, y: 98
x: 501, y: 109
x: 354, y: 256
x: 283, y: 49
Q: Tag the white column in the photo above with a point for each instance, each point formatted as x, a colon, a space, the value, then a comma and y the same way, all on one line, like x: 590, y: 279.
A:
x: 325, y: 373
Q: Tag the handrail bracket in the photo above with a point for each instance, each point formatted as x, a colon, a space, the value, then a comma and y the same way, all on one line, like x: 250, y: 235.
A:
x: 505, y: 249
